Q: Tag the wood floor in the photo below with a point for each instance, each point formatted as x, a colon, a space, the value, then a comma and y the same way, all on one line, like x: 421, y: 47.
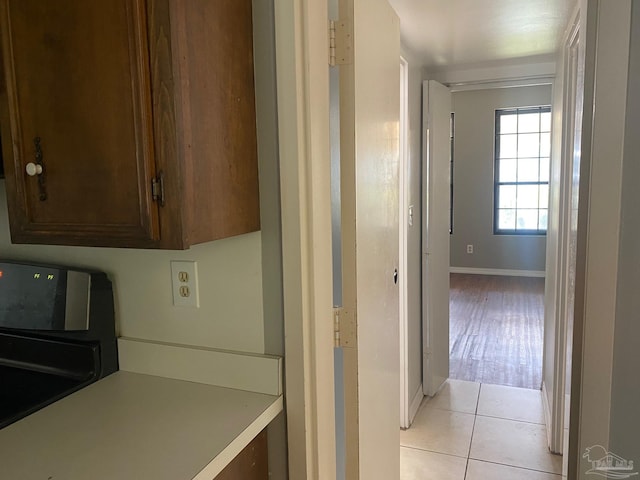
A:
x: 496, y: 329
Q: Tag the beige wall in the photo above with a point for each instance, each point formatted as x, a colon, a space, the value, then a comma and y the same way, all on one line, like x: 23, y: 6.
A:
x: 473, y: 182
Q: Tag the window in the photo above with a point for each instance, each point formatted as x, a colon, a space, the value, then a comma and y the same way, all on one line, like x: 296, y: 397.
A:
x: 522, y: 151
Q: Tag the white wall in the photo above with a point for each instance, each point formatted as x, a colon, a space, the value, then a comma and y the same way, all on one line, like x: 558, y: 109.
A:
x: 230, y: 286
x: 473, y: 182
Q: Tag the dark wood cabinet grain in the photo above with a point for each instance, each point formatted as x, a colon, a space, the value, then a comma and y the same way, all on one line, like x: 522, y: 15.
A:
x: 1, y: 160
x: 120, y: 94
x: 251, y: 463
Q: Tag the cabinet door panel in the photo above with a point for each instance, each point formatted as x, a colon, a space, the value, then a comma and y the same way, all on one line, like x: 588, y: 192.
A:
x: 78, y: 78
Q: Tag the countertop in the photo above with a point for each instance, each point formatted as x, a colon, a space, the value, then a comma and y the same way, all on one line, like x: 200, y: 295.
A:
x: 131, y: 426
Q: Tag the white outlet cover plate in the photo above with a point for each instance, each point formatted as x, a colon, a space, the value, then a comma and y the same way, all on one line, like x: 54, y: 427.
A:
x: 191, y: 268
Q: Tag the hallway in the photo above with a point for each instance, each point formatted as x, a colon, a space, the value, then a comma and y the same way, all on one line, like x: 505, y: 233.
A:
x: 473, y: 431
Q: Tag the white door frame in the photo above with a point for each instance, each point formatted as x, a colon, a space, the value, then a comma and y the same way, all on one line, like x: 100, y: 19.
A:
x: 305, y: 177
x: 566, y: 262
x: 403, y: 203
x: 607, y: 45
x: 560, y: 262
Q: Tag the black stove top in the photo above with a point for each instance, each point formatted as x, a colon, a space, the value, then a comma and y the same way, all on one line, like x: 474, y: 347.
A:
x: 23, y: 392
x: 57, y: 335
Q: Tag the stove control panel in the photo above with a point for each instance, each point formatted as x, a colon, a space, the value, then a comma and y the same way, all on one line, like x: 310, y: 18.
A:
x: 34, y: 297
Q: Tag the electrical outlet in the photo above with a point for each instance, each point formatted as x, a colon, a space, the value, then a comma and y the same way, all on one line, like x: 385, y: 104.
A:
x: 469, y: 248
x: 184, y: 282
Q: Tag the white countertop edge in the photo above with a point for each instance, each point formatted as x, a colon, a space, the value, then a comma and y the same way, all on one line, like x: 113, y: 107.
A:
x: 235, y: 447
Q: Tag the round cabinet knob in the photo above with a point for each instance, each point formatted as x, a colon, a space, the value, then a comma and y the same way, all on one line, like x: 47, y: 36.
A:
x: 33, y: 169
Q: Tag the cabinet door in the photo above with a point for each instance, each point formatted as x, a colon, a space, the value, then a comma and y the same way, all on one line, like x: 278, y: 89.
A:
x: 251, y: 463
x: 77, y: 79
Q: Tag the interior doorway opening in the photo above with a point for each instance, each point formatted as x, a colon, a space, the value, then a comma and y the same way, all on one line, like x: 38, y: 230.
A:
x: 496, y: 329
x: 500, y: 158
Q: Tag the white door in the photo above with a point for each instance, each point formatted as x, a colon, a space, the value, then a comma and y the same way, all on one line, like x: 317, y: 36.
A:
x: 369, y: 150
x: 406, y: 413
x: 436, y: 114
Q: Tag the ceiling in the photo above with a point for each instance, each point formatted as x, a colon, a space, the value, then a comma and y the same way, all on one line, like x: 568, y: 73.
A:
x: 454, y: 33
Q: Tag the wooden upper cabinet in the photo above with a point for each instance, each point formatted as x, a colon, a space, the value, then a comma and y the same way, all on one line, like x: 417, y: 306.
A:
x: 141, y: 115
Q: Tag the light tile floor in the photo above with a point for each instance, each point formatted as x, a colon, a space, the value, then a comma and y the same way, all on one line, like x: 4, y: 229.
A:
x: 472, y: 431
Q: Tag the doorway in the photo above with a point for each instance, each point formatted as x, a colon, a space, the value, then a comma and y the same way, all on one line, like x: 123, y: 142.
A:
x: 596, y: 314
x: 496, y: 329
x: 474, y: 429
x: 547, y: 402
x: 498, y: 235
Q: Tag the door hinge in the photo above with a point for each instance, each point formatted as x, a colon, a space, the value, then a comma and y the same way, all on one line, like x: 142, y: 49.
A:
x: 340, y: 42
x: 157, y: 188
x: 336, y: 326
x: 344, y: 327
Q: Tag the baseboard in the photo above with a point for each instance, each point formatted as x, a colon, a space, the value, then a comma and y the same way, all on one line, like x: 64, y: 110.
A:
x: 498, y: 271
x: 547, y: 413
x: 415, y: 404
